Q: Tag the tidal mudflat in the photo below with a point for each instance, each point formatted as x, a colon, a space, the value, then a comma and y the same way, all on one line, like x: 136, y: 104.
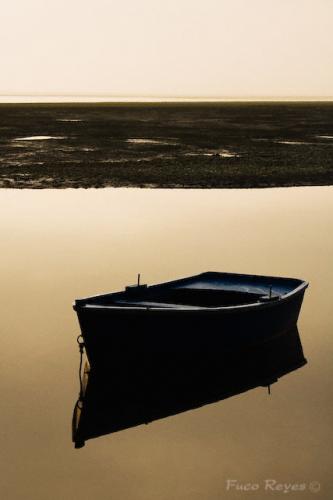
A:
x: 236, y: 145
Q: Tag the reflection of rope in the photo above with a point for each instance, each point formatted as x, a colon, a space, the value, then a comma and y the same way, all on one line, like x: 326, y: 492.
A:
x: 81, y: 348
x: 76, y: 413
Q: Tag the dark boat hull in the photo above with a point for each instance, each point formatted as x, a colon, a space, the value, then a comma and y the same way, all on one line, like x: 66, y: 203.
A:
x: 112, y: 332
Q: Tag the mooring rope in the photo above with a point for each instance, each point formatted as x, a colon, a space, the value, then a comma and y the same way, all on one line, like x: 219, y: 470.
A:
x: 81, y: 348
x: 79, y: 403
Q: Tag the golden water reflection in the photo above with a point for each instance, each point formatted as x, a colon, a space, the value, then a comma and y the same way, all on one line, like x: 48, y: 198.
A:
x: 59, y: 245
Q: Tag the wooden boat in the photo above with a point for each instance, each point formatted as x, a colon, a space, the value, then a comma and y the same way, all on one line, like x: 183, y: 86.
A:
x: 212, y: 311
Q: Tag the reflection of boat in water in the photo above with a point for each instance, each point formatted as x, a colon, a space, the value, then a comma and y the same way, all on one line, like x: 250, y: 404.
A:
x: 145, y: 387
x: 160, y: 350
x: 203, y: 312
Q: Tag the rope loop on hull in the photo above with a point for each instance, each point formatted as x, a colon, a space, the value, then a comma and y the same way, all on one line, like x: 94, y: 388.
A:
x: 81, y: 344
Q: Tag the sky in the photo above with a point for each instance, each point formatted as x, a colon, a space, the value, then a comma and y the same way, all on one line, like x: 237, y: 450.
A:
x: 174, y: 48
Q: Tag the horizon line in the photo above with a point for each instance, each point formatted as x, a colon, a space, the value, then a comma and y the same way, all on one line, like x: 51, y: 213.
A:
x: 100, y: 98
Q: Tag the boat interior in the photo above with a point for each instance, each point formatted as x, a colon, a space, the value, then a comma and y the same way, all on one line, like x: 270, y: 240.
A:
x: 185, y: 297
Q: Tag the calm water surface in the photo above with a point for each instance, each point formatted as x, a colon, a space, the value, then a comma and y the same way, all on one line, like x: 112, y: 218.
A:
x: 59, y: 245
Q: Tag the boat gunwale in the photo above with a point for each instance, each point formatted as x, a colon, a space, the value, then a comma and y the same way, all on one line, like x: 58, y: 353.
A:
x: 79, y: 304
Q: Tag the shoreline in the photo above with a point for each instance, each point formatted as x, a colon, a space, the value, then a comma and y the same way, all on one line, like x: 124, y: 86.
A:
x: 85, y: 184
